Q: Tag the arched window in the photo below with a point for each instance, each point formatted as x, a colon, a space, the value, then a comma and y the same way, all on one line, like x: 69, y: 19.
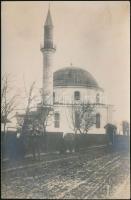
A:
x: 77, y: 95
x: 98, y: 98
x: 98, y: 120
x: 57, y: 120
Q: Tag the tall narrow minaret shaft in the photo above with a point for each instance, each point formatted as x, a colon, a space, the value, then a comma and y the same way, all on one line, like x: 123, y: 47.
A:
x: 48, y: 51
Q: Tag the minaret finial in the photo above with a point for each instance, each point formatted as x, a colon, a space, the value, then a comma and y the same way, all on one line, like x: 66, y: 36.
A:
x: 49, y: 6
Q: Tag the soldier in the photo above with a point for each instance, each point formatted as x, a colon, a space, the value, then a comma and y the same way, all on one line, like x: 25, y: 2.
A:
x: 20, y: 146
x: 69, y: 139
x: 125, y: 126
x: 35, y: 140
x: 111, y: 132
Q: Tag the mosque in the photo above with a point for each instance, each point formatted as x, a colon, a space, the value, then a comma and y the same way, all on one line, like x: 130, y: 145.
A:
x: 67, y: 86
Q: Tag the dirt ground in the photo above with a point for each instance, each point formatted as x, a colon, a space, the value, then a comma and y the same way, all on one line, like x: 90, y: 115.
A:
x: 122, y: 191
x: 78, y: 177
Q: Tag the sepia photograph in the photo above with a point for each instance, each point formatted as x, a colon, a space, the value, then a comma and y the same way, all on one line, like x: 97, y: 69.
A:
x: 65, y: 100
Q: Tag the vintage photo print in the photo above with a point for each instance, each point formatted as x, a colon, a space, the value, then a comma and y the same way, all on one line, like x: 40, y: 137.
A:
x: 65, y: 130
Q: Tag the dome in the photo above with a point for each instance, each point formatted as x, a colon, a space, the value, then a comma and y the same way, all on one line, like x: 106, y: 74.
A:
x: 73, y: 76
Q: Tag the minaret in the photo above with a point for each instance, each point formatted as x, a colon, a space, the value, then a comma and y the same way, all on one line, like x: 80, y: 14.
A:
x: 48, y: 51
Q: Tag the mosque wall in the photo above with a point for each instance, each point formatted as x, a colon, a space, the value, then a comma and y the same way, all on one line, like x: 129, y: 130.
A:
x: 66, y: 95
x: 66, y: 119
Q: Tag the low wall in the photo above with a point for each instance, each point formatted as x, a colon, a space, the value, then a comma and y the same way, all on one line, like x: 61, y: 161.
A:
x: 12, y: 146
x: 123, y: 141
x: 92, y: 139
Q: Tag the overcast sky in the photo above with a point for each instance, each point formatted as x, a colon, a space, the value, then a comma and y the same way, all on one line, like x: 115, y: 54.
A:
x: 91, y: 35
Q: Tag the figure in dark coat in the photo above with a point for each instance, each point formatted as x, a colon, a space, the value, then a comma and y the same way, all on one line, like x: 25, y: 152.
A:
x: 111, y: 132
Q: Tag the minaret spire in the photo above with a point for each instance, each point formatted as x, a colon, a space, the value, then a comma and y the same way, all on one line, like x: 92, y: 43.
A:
x: 48, y: 21
x: 48, y: 31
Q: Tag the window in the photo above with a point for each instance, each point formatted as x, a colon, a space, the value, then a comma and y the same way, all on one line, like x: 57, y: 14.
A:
x: 77, y: 95
x: 97, y: 120
x: 57, y: 120
x: 98, y: 98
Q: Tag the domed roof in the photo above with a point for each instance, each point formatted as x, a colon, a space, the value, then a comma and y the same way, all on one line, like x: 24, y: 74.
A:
x: 73, y: 76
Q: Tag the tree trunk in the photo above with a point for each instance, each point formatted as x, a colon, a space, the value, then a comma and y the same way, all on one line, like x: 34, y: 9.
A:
x: 4, y: 141
x: 45, y: 138
x: 76, y: 143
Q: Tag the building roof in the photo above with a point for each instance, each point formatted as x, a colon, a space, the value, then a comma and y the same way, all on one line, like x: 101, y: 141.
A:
x: 74, y: 76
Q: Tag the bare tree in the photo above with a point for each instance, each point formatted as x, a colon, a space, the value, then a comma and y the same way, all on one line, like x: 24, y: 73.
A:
x: 27, y: 122
x: 8, y: 101
x: 40, y: 117
x: 87, y: 116
x: 30, y: 99
x: 82, y: 117
x: 34, y: 122
x: 44, y: 115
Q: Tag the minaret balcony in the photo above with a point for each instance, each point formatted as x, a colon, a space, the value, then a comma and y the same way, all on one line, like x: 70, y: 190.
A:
x: 47, y: 48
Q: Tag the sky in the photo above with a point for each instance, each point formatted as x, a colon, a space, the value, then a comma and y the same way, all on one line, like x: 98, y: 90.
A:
x: 93, y: 35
